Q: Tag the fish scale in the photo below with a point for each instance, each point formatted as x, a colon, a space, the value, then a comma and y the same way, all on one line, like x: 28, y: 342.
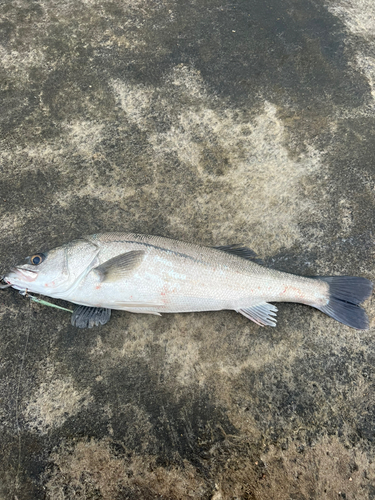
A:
x: 153, y: 275
x: 202, y: 278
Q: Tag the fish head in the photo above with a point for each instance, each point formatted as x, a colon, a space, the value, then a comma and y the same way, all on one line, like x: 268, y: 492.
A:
x: 54, y: 272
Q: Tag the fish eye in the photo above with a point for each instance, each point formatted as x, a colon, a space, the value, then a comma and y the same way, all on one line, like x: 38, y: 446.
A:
x: 37, y: 259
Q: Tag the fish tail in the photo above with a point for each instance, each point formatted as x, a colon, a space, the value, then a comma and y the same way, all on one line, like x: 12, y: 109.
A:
x: 345, y: 293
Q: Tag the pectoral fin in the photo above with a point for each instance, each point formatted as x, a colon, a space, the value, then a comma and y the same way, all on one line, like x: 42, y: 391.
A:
x: 120, y: 267
x: 262, y: 314
x: 87, y: 317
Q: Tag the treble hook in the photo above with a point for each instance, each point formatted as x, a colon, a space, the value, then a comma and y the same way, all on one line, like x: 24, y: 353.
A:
x: 3, y: 287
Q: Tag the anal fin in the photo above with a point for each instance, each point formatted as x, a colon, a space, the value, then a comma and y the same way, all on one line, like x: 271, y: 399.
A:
x: 262, y: 314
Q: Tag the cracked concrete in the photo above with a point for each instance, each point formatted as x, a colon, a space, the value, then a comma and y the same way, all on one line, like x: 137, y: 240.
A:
x: 210, y: 122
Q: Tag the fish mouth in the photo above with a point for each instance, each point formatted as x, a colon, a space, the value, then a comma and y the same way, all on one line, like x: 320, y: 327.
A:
x: 24, y: 274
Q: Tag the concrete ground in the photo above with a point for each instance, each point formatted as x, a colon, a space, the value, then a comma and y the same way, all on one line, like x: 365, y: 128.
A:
x: 212, y: 122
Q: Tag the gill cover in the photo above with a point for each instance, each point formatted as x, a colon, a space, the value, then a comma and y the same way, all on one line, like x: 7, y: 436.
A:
x: 79, y: 258
x: 55, y: 272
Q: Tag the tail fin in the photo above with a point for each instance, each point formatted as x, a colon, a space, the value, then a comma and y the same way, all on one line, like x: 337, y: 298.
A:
x: 345, y: 293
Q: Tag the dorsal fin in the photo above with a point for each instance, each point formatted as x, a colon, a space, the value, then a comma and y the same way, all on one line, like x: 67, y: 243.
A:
x: 241, y: 251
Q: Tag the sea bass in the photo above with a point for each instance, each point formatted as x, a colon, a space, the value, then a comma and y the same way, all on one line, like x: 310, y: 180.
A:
x: 154, y: 275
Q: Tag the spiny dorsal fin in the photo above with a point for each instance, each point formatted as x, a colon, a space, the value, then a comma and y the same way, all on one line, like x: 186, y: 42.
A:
x: 121, y: 266
x: 262, y: 314
x: 240, y: 251
x: 87, y: 317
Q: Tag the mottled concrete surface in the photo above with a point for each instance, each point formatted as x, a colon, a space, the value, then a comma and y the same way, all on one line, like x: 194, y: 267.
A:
x: 213, y: 122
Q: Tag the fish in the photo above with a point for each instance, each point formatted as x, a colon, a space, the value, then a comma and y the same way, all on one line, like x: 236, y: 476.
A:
x: 155, y: 275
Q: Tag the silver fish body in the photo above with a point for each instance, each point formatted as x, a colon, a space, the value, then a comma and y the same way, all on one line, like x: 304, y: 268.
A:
x: 154, y: 275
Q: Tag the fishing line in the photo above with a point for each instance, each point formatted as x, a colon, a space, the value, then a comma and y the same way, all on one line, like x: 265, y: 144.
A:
x: 17, y: 396
x: 17, y: 413
x: 25, y: 293
x: 45, y: 303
